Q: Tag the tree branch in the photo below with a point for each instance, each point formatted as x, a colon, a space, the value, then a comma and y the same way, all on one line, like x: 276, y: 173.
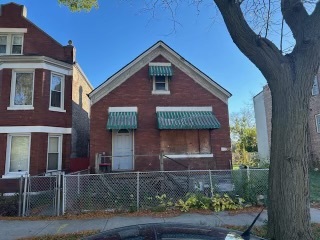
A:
x: 295, y: 15
x: 262, y: 52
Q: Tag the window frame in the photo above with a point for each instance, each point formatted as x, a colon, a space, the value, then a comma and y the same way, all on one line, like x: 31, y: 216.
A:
x: 156, y: 91
x: 317, y: 121
x: 9, y: 45
x: 315, y: 86
x: 5, y: 35
x: 8, y: 155
x: 57, y: 109
x: 13, y: 88
x: 60, y: 139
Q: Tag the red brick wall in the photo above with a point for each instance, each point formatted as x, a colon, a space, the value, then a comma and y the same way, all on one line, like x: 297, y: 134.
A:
x: 40, y: 116
x: 38, y: 152
x: 36, y: 41
x: 136, y: 91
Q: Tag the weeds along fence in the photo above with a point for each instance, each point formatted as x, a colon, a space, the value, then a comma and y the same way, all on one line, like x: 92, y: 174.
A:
x: 133, y: 191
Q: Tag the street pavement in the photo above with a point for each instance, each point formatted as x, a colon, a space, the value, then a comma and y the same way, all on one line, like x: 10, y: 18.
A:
x: 14, y: 229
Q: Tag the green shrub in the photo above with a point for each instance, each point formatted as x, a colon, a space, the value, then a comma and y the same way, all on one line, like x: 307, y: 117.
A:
x: 250, y: 186
x: 216, y: 203
x: 224, y: 202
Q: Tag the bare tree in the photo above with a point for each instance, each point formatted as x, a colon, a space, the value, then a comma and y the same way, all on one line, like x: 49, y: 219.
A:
x: 259, y: 28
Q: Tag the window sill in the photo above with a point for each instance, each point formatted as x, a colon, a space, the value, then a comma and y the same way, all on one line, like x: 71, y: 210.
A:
x: 57, y: 109
x: 174, y: 156
x: 53, y: 172
x: 15, y: 175
x: 14, y: 108
x: 155, y: 92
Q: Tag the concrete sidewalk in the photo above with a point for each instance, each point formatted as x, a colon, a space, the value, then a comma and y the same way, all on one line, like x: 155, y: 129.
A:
x: 13, y: 229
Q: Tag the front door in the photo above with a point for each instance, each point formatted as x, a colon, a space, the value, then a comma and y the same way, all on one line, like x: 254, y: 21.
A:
x: 122, y: 156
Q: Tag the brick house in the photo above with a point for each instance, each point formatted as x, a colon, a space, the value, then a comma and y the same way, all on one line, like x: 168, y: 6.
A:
x: 43, y: 99
x: 159, y: 104
x: 263, y: 114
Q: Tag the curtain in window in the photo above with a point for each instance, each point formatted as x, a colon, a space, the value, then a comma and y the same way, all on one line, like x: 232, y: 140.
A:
x: 24, y: 89
x: 19, y: 153
x: 56, y: 91
x: 53, y: 153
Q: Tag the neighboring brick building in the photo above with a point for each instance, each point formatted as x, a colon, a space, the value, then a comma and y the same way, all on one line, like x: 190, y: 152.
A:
x: 263, y: 114
x: 160, y: 103
x: 43, y: 99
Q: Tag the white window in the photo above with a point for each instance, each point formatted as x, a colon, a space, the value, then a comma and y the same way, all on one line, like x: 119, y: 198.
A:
x: 22, y: 84
x: 18, y: 154
x: 54, y: 153
x: 11, y: 44
x: 315, y: 87
x: 56, y: 92
x: 318, y: 123
x: 3, y: 44
x: 160, y: 85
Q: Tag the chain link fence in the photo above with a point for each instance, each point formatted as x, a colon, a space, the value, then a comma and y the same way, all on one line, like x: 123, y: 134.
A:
x: 81, y: 192
x: 42, y: 196
x: 142, y: 190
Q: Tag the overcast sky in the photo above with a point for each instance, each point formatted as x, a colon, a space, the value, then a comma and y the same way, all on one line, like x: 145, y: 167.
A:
x: 111, y: 36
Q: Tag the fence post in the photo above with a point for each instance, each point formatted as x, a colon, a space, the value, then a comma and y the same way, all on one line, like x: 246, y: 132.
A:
x: 20, y: 196
x: 24, y: 196
x: 138, y: 189
x: 63, y: 193
x: 161, y: 161
x: 78, y: 184
x: 58, y: 193
x: 211, y: 186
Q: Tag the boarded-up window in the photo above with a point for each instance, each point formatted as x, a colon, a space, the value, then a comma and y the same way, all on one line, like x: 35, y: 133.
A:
x: 185, y: 141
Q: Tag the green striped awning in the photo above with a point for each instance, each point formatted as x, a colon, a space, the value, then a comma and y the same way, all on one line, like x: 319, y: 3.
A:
x: 160, y: 71
x: 122, y: 120
x: 187, y: 120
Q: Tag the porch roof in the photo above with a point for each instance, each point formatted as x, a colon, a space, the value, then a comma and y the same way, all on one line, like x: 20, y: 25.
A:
x: 122, y: 120
x: 187, y: 120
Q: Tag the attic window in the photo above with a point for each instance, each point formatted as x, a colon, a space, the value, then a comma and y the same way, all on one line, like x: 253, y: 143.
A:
x: 11, y: 44
x: 160, y: 73
x: 11, y: 41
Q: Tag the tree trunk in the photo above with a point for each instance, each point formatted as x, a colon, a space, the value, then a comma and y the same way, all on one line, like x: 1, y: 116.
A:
x: 288, y: 200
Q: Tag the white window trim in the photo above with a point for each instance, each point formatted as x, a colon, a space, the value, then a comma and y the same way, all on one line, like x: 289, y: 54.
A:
x: 59, y: 149
x: 8, y: 153
x: 10, y: 43
x: 164, y: 92
x: 37, y: 129
x: 58, y: 109
x: 317, y: 125
x: 13, y: 30
x: 13, y: 87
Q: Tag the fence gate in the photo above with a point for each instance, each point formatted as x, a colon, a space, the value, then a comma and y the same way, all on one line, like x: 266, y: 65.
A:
x: 42, y: 196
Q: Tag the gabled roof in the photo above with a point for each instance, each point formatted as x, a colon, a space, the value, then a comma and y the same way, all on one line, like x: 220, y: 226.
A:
x: 159, y: 48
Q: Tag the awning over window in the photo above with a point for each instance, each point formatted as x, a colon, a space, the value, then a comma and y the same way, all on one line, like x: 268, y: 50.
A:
x: 187, y: 120
x: 122, y: 120
x: 160, y: 71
